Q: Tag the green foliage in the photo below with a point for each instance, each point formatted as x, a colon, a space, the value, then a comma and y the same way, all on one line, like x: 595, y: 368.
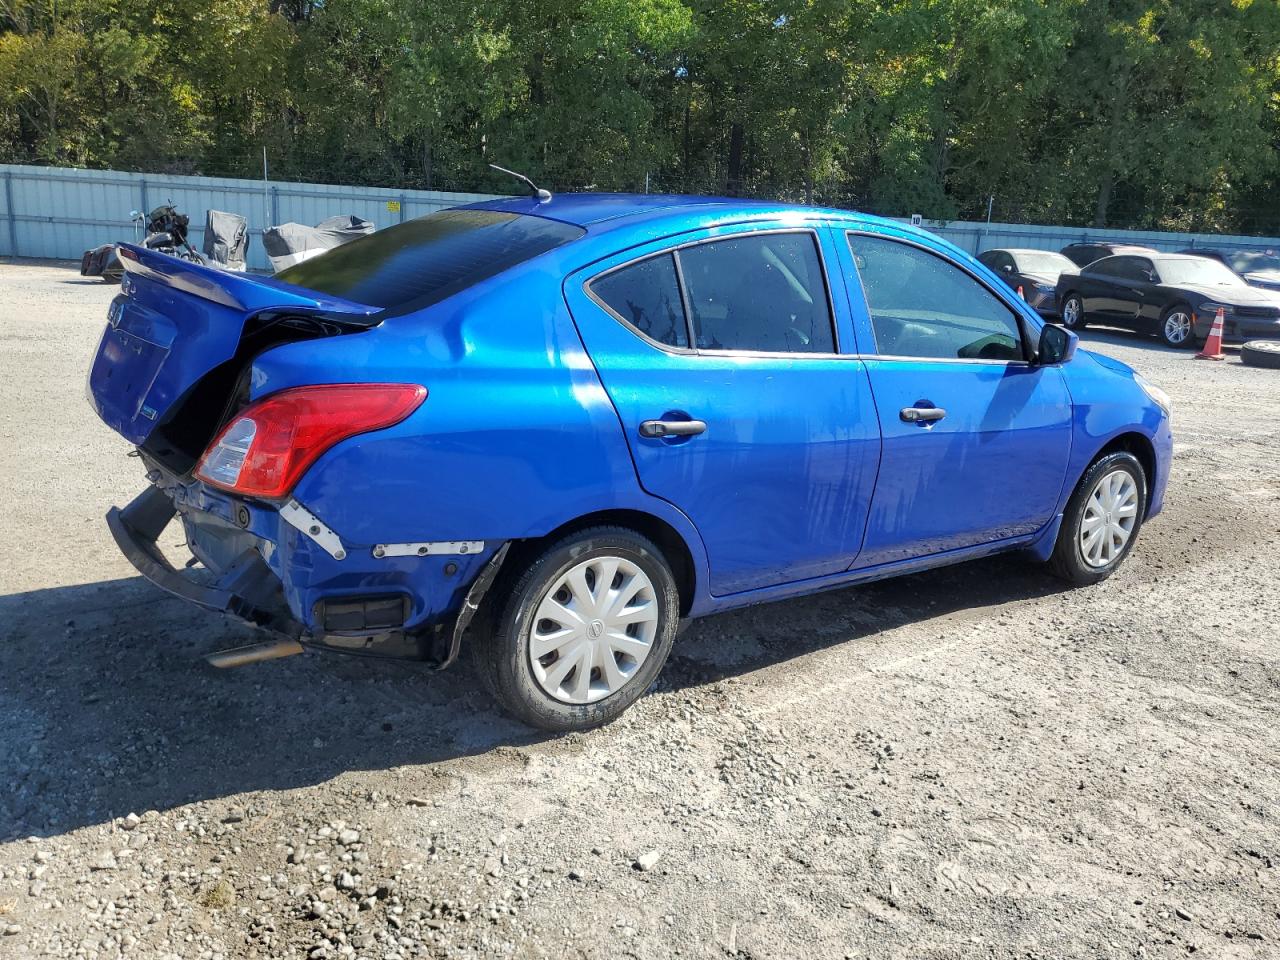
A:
x: 1147, y: 113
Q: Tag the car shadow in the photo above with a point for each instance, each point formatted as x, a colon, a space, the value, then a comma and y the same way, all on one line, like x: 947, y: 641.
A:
x: 107, y: 707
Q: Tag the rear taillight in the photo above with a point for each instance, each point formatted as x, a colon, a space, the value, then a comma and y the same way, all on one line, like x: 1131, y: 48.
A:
x: 266, y: 449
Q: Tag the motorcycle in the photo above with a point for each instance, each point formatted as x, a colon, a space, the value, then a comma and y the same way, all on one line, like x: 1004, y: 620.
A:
x: 165, y: 231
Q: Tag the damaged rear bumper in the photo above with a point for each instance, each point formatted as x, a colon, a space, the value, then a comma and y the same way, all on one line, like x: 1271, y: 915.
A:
x: 242, y: 577
x: 247, y: 590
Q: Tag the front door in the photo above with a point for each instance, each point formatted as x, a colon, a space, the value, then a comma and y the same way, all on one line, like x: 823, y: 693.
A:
x: 976, y: 438
x: 722, y: 359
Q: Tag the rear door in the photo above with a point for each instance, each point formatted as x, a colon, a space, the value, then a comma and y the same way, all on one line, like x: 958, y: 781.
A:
x: 1129, y: 283
x: 976, y: 438
x: 722, y: 355
x: 1102, y: 289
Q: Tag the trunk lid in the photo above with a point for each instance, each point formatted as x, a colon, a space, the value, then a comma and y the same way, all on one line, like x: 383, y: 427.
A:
x: 176, y: 321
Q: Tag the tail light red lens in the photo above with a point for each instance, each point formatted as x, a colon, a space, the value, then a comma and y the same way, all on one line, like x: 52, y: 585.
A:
x: 266, y: 449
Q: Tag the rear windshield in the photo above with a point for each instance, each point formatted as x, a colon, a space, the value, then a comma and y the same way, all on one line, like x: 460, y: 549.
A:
x: 418, y: 263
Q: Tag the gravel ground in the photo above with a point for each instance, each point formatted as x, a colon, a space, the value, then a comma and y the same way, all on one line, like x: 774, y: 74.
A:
x: 972, y: 762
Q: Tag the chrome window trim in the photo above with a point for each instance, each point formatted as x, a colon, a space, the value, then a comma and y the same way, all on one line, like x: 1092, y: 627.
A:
x: 693, y: 349
x: 1017, y: 314
x: 982, y: 360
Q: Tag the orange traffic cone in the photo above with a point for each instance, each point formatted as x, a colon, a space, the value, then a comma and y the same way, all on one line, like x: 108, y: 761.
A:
x: 1212, y: 349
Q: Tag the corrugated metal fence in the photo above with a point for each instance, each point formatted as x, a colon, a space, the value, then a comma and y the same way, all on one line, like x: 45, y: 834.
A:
x: 58, y: 212
x: 976, y: 237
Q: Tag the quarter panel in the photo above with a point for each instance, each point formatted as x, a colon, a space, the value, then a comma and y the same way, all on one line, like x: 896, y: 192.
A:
x: 516, y: 436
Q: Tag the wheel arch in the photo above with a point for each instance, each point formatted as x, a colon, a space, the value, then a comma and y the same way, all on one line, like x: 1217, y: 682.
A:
x: 1067, y: 294
x: 675, y: 550
x: 1137, y: 444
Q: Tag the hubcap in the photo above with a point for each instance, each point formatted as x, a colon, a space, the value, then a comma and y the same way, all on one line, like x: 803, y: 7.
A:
x: 1071, y: 312
x: 593, y: 629
x: 1177, y: 327
x: 1110, y: 513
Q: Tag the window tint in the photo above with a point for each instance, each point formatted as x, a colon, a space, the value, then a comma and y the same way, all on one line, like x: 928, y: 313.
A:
x: 647, y: 296
x: 1108, y: 267
x: 1140, y: 269
x: 763, y: 293
x: 1083, y: 254
x: 415, y: 264
x: 923, y: 306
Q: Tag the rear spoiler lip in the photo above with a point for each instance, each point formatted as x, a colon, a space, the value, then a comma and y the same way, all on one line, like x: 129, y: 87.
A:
x: 240, y: 291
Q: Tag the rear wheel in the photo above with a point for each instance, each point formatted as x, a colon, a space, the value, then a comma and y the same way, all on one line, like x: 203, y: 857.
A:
x: 1101, y: 521
x: 581, y: 632
x: 1073, y: 312
x: 1176, y: 328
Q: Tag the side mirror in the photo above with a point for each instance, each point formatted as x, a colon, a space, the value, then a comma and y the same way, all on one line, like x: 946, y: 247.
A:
x: 1007, y: 268
x: 1057, y: 345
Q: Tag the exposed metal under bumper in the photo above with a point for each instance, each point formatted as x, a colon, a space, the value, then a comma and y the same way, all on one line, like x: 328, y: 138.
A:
x: 247, y: 589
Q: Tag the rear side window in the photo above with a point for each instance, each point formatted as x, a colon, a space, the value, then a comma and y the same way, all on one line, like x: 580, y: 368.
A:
x: 1108, y: 267
x: 763, y: 293
x: 421, y: 262
x: 921, y: 305
x: 647, y: 296
x: 755, y: 293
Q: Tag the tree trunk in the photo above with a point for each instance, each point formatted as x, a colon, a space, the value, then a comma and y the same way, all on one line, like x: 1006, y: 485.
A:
x: 685, y: 177
x: 737, y: 138
x: 1104, y: 199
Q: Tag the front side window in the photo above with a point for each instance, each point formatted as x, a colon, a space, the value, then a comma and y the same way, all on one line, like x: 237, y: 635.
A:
x: 921, y: 305
x: 762, y: 293
x: 646, y: 295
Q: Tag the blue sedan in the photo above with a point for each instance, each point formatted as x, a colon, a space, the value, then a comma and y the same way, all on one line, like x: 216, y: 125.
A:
x: 550, y: 430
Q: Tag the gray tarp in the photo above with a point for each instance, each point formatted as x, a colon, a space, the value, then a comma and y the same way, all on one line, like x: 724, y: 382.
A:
x: 292, y: 243
x: 226, y: 239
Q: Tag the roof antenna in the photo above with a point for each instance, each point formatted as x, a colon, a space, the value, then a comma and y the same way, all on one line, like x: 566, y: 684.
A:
x: 542, y: 195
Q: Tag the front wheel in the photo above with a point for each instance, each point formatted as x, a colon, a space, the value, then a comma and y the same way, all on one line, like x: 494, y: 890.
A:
x: 1073, y: 312
x: 1101, y: 521
x: 581, y: 632
x: 1176, y: 328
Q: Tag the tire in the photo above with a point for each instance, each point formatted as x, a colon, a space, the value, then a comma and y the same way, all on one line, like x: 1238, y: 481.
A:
x: 1261, y: 353
x: 539, y: 602
x: 1073, y: 559
x: 1073, y: 316
x: 1177, y: 327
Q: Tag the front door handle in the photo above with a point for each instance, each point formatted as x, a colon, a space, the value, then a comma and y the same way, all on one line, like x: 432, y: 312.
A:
x: 672, y: 428
x: 921, y: 414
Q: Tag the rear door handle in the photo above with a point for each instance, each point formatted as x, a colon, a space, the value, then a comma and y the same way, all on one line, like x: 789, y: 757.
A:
x: 921, y: 414
x: 672, y: 428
